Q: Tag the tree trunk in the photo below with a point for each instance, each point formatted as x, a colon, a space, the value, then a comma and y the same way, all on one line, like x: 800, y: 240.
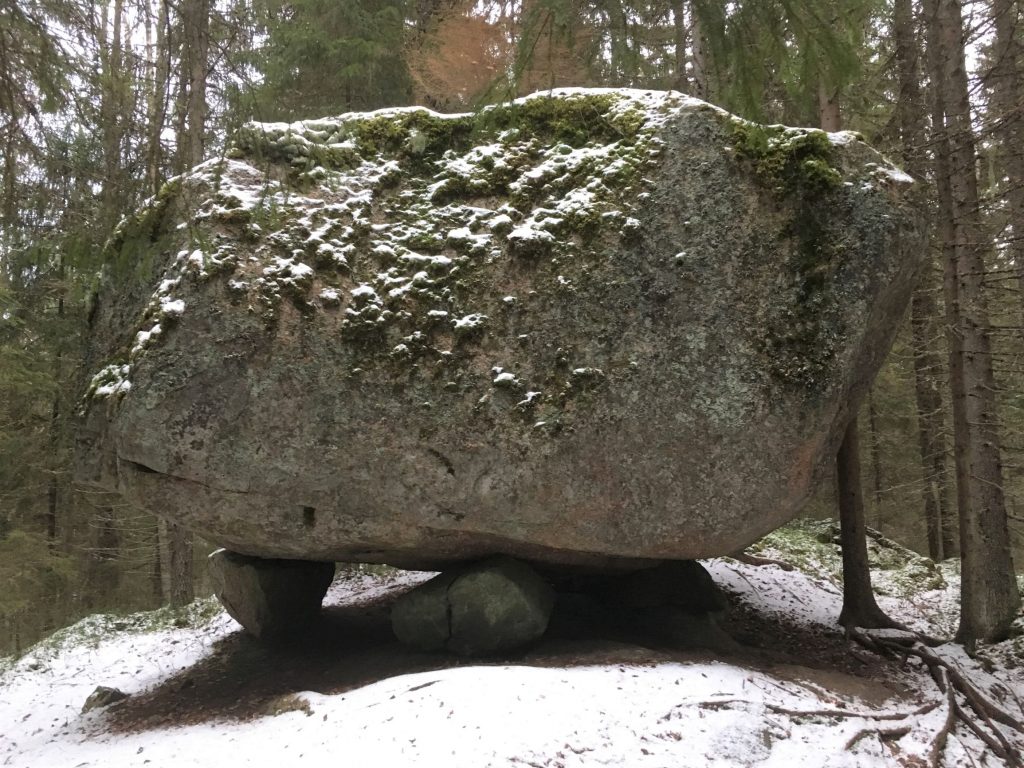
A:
x: 698, y: 43
x: 111, y: 111
x: 56, y: 415
x: 876, y: 459
x: 989, y: 596
x: 1009, y: 126
x: 829, y: 117
x: 8, y: 108
x: 196, y: 17
x: 923, y: 308
x: 929, y: 415
x: 680, y: 82
x: 160, y: 68
x: 859, y: 606
x: 157, y: 576
x: 176, y: 563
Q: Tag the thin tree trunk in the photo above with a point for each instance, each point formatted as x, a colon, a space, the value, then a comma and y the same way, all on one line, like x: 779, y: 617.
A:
x: 859, y: 606
x: 680, y: 82
x: 829, y: 117
x: 698, y: 44
x: 176, y: 563
x: 876, y: 458
x: 929, y: 407
x: 181, y: 119
x: 8, y: 108
x: 111, y: 110
x: 53, y: 489
x: 157, y: 576
x: 197, y: 44
x: 923, y: 308
x: 158, y: 99
x: 989, y: 596
x: 1008, y: 95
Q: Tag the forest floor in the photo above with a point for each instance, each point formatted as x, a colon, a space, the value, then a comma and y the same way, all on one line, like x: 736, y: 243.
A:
x: 793, y: 691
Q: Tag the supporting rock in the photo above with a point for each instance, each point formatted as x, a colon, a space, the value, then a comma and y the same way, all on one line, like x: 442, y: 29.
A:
x: 271, y: 599
x: 674, y: 602
x: 493, y: 606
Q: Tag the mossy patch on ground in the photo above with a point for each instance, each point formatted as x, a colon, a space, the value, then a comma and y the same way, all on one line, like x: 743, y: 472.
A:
x: 813, y: 547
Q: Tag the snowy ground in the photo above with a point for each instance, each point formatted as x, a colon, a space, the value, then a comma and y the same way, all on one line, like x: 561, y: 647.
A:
x: 610, y: 705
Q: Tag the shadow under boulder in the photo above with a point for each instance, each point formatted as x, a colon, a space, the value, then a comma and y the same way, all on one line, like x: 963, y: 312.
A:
x: 503, y: 604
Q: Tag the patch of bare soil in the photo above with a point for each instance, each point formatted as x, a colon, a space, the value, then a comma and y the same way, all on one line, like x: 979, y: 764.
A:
x: 353, y: 646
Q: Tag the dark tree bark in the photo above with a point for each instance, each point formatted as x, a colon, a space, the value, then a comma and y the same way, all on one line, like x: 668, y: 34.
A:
x: 112, y: 110
x: 989, y: 596
x: 176, y: 563
x: 876, y: 459
x: 910, y: 110
x: 196, y: 24
x: 698, y: 44
x: 680, y: 82
x: 859, y: 606
x: 160, y: 69
x: 1005, y: 80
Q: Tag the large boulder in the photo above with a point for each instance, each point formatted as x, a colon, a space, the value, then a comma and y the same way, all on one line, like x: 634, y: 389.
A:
x: 588, y: 327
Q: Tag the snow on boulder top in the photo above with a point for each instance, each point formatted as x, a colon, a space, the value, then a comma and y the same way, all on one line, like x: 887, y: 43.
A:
x: 304, y: 334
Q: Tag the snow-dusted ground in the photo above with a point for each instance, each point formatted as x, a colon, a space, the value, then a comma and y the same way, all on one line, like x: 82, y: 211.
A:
x: 693, y: 712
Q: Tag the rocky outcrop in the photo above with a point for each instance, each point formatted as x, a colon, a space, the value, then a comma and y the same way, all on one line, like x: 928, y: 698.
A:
x: 271, y: 599
x: 498, y: 605
x: 589, y: 327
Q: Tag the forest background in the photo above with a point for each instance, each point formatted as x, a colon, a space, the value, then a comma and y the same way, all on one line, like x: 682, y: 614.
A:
x: 101, y: 102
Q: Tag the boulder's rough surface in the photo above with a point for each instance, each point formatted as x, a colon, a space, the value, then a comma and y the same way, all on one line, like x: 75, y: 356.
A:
x: 588, y: 327
x: 271, y: 599
x: 497, y: 605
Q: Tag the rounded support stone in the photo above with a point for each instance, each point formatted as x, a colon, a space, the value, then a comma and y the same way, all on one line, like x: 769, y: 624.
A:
x: 488, y: 607
x: 271, y: 599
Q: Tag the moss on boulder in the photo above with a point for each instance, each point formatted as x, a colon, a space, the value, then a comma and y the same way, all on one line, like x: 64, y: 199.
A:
x: 586, y: 326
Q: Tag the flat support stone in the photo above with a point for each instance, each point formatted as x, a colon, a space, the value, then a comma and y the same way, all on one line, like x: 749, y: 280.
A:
x: 271, y: 599
x: 492, y: 606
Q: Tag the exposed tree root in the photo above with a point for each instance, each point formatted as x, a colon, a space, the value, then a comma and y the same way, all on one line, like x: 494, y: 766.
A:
x: 748, y: 559
x: 882, y: 733
x: 942, y: 735
x: 980, y: 714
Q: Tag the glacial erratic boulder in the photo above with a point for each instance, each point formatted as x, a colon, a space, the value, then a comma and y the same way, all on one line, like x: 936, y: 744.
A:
x: 590, y: 327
